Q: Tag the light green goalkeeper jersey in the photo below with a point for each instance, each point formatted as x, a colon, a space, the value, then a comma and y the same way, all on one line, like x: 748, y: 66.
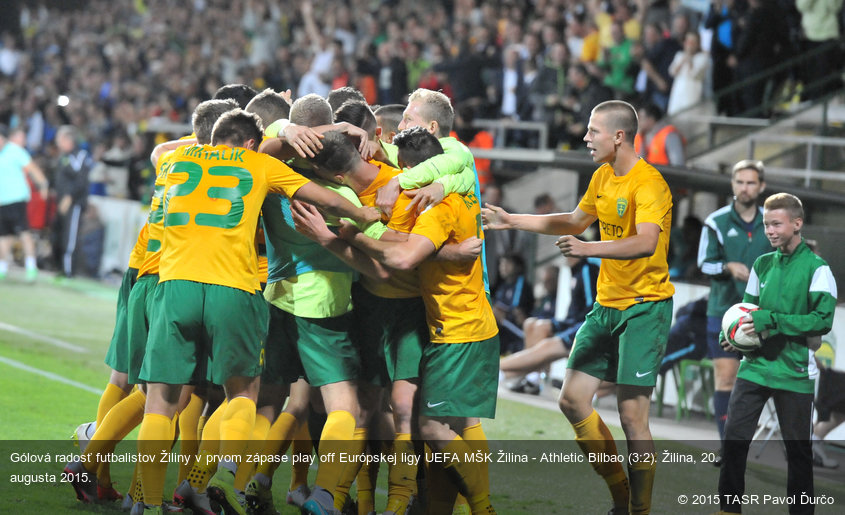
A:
x: 454, y: 168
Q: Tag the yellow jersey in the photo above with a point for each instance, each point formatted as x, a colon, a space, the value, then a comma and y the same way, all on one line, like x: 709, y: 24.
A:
x: 456, y: 303
x: 403, y: 284
x: 620, y: 203
x: 136, y: 258
x: 155, y: 221
x: 212, y: 199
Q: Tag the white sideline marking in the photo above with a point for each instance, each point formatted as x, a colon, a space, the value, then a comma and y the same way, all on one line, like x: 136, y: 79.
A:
x: 40, y: 337
x: 50, y: 375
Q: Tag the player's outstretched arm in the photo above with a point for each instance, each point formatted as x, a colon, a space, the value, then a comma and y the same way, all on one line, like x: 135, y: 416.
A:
x: 310, y: 223
x: 642, y: 244
x: 574, y: 222
x: 404, y: 255
x: 167, y: 146
x: 334, y: 204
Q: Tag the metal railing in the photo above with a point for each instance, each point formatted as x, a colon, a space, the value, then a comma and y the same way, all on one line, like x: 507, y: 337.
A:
x: 812, y: 143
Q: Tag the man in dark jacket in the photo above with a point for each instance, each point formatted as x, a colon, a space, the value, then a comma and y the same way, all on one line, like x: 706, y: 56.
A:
x: 72, y: 195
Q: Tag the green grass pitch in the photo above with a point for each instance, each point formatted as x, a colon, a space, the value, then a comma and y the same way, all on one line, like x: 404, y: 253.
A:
x: 53, y: 336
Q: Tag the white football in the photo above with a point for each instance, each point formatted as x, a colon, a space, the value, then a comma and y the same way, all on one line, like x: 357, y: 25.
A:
x: 732, y: 319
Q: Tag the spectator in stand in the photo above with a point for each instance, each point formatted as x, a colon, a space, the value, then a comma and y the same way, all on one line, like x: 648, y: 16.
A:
x: 512, y: 300
x: 584, y: 93
x: 619, y: 12
x: 415, y: 64
x: 689, y: 70
x: 820, y: 24
x: 392, y: 77
x: 467, y: 69
x: 616, y: 64
x: 510, y: 92
x: 15, y: 164
x: 549, y: 90
x: 723, y: 20
x: 659, y: 51
x: 71, y: 178
x: 762, y: 44
x: 657, y: 141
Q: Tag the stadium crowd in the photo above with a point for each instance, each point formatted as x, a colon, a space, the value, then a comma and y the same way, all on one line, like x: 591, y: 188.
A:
x: 115, y: 69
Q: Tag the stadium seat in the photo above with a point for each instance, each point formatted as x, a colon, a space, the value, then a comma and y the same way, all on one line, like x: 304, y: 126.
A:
x: 682, y: 372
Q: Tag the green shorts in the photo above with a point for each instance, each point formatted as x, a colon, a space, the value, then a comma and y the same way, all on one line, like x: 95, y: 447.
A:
x: 116, y: 356
x: 460, y: 379
x: 623, y: 346
x: 196, y: 323
x: 318, y: 349
x: 390, y: 335
x: 138, y: 324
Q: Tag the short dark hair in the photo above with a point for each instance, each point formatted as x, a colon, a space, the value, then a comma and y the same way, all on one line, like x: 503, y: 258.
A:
x: 235, y: 127
x: 389, y: 117
x: 337, y: 97
x: 311, y: 110
x: 338, y: 155
x: 206, y: 114
x: 357, y: 113
x: 416, y: 145
x: 240, y: 93
x: 269, y: 106
x: 622, y: 116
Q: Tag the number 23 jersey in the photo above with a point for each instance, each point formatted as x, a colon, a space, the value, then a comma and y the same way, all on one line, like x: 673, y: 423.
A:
x: 212, y: 200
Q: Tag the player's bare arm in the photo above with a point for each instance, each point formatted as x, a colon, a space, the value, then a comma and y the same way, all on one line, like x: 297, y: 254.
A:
x: 426, y: 196
x: 334, y: 204
x: 574, y: 222
x: 167, y: 146
x: 311, y: 224
x: 467, y: 250
x: 399, y: 255
x: 387, y: 195
x: 642, y: 244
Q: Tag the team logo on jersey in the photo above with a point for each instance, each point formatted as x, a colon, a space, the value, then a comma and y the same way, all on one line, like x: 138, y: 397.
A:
x: 732, y: 232
x: 621, y: 206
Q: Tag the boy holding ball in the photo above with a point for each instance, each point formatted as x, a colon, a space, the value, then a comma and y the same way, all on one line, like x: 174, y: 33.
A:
x: 796, y: 292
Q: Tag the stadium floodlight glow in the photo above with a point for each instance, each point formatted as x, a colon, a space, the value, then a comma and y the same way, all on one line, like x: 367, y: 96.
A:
x: 62, y: 101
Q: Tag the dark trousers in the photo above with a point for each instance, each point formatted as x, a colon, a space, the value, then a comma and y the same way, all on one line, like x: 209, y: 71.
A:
x: 794, y: 412
x: 66, y: 239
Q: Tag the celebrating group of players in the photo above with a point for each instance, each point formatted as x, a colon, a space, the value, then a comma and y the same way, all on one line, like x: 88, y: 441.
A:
x: 191, y: 313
